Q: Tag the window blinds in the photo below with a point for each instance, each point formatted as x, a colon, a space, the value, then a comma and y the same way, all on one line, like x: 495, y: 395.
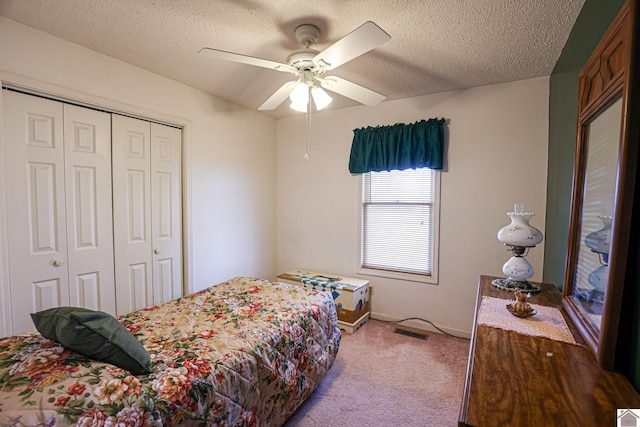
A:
x: 398, y: 220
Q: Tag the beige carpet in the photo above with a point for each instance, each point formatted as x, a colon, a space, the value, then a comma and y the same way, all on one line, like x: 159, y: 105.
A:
x: 380, y: 378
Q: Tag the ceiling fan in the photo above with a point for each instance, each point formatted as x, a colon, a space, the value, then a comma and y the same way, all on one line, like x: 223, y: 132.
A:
x: 309, y: 66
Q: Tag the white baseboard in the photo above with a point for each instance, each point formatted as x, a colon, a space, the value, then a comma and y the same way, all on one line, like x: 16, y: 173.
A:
x: 418, y: 324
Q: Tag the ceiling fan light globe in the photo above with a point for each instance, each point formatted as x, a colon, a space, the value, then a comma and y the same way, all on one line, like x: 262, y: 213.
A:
x: 320, y: 98
x: 300, y: 94
x: 299, y: 106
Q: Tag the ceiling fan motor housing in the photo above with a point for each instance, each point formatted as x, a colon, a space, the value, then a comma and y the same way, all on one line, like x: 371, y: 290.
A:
x: 302, y: 59
x: 306, y: 34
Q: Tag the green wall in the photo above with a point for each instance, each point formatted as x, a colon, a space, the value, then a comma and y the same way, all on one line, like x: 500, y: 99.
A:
x: 592, y: 23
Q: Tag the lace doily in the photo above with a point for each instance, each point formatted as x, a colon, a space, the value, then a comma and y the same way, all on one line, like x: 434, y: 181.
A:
x: 548, y: 322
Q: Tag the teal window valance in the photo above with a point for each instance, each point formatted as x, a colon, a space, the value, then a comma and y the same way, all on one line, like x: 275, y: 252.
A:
x: 398, y: 147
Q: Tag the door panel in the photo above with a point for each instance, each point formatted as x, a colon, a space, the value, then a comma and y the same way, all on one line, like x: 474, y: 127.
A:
x: 36, y: 232
x: 131, y: 165
x: 46, y: 294
x: 137, y: 205
x: 86, y: 291
x: 84, y: 200
x: 164, y: 277
x: 139, y: 282
x: 87, y: 138
x: 42, y: 207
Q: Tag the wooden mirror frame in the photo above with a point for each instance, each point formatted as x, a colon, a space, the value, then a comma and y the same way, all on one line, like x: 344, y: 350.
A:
x: 602, y: 81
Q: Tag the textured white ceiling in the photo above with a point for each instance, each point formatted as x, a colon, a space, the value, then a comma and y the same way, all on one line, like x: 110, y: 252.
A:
x: 436, y: 45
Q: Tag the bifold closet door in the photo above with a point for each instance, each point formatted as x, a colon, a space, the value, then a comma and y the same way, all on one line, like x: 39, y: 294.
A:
x: 166, y: 212
x: 146, y: 206
x: 58, y: 188
x: 88, y: 195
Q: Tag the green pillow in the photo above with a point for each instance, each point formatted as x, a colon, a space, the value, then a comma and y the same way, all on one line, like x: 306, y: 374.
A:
x: 95, y: 334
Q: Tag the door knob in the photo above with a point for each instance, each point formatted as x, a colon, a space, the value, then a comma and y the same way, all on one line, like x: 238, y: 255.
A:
x: 156, y: 251
x: 57, y: 262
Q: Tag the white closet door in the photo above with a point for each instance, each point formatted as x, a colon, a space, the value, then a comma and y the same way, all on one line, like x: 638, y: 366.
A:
x: 131, y: 168
x: 87, y: 136
x: 166, y: 216
x: 34, y: 161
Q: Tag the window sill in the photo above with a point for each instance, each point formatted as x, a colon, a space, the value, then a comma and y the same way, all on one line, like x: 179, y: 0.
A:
x: 408, y: 277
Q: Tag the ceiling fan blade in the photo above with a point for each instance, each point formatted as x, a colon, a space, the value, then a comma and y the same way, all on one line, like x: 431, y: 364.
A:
x: 278, y: 98
x: 351, y: 90
x: 244, y: 59
x: 361, y: 40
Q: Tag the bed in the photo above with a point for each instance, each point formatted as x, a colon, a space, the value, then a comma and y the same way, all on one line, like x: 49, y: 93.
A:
x: 246, y: 352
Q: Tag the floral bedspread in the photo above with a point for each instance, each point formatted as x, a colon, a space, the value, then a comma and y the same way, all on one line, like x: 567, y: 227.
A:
x: 246, y: 352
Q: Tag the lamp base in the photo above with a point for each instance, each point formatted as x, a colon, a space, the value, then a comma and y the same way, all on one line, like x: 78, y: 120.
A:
x: 512, y: 285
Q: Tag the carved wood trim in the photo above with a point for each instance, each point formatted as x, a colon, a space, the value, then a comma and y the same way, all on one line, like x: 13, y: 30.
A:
x: 607, y: 65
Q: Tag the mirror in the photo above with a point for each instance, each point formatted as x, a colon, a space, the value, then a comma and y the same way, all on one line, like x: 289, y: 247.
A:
x: 594, y: 242
x: 603, y: 180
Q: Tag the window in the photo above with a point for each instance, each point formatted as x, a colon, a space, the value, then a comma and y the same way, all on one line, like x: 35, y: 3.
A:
x: 400, y: 224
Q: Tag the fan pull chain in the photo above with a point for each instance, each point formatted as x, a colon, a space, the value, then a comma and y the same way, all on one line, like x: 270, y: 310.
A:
x: 308, y: 125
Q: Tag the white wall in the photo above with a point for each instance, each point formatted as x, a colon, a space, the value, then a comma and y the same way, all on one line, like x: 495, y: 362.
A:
x: 496, y: 155
x: 229, y: 150
x: 497, y: 151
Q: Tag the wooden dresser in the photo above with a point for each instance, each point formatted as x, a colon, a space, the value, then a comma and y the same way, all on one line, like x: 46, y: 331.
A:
x: 521, y: 380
